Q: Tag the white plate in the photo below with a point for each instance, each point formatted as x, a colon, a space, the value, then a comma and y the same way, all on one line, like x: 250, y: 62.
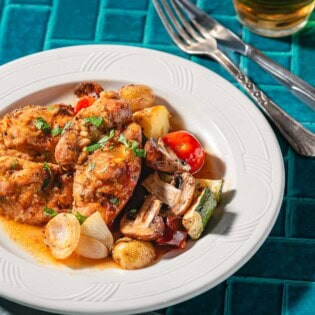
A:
x: 220, y: 115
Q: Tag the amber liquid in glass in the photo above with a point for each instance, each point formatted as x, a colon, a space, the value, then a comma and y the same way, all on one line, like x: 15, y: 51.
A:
x: 274, y: 17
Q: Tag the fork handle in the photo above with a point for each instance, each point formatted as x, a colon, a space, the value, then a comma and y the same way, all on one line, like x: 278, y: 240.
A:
x: 302, y: 90
x: 302, y: 140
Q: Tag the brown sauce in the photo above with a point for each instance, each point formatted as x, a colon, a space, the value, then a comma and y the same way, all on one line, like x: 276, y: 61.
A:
x: 31, y: 239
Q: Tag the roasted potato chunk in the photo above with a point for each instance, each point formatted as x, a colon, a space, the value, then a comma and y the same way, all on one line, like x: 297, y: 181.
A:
x: 138, y: 96
x: 154, y: 121
x: 132, y: 254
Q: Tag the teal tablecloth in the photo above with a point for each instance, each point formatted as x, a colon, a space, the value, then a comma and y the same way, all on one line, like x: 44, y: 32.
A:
x: 280, y: 278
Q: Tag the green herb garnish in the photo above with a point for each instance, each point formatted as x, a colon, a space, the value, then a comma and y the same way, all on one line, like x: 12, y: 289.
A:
x: 101, y: 142
x: 114, y: 201
x: 81, y: 218
x: 133, y: 146
x: 51, y: 107
x: 56, y: 131
x: 67, y: 125
x: 41, y: 124
x: 47, y: 168
x: 122, y: 139
x: 97, y: 121
x: 50, y: 212
x: 48, y: 176
x: 15, y: 165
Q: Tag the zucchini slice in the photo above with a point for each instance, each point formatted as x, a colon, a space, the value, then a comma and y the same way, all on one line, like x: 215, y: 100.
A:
x: 208, y: 193
x: 215, y: 185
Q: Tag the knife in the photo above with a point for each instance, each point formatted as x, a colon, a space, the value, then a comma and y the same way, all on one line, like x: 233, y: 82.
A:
x: 226, y: 38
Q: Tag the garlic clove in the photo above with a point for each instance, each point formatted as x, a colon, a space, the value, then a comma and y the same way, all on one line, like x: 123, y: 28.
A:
x: 62, y: 234
x: 91, y: 248
x: 94, y: 226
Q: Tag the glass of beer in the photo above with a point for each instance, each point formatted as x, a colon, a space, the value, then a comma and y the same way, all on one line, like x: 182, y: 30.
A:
x: 274, y: 18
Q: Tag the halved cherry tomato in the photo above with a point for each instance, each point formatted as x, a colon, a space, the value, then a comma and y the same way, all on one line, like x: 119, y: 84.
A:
x: 84, y: 102
x: 187, y: 148
x: 174, y: 234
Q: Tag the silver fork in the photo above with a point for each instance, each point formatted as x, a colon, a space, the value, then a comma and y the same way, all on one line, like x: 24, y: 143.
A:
x: 195, y: 40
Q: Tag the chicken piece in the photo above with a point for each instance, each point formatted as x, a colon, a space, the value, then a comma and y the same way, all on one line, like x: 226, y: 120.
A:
x: 107, y: 179
x: 88, y: 89
x: 110, y: 114
x: 34, y: 131
x: 26, y: 188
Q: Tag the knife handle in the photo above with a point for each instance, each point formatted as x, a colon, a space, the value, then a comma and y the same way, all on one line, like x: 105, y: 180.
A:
x: 302, y: 140
x: 301, y: 89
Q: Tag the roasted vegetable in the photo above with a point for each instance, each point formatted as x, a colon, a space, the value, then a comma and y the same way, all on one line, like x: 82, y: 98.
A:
x: 163, y: 191
x: 94, y: 226
x: 146, y: 224
x: 187, y: 148
x: 138, y: 96
x: 62, y: 234
x: 154, y: 121
x: 91, y: 248
x: 185, y: 182
x: 133, y: 254
x: 215, y: 185
x: 198, y: 215
x: 162, y: 158
x: 174, y: 234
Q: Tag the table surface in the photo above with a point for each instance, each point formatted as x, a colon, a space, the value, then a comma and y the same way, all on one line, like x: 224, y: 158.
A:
x: 280, y: 278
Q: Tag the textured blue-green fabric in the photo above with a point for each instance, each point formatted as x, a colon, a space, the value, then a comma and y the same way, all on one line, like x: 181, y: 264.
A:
x: 280, y: 278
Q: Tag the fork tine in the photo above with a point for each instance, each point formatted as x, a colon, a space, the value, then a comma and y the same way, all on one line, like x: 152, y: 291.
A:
x: 181, y: 31
x: 167, y: 25
x: 194, y: 13
x: 184, y: 21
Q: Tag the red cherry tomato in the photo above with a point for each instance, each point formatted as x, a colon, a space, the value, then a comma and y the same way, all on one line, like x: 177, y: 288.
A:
x: 84, y: 102
x: 187, y: 148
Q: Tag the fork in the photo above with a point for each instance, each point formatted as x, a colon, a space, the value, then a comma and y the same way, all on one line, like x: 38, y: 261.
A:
x: 192, y: 38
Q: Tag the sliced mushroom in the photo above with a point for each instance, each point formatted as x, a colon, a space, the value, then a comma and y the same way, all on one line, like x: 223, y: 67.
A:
x: 186, y: 183
x: 162, y: 158
x: 163, y: 191
x: 147, y: 225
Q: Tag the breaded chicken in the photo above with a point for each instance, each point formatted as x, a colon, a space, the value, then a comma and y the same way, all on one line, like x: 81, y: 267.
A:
x: 88, y: 126
x: 26, y: 188
x: 35, y: 130
x: 106, y: 181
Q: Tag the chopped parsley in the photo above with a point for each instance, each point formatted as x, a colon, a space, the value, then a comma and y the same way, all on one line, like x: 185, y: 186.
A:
x: 91, y: 166
x: 97, y: 121
x: 50, y: 212
x: 51, y: 107
x: 15, y: 165
x: 114, y: 201
x: 67, y: 125
x: 133, y: 146
x: 48, y: 176
x: 122, y: 139
x: 41, y: 124
x: 47, y: 168
x: 81, y: 218
x: 101, y: 142
x: 56, y: 131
